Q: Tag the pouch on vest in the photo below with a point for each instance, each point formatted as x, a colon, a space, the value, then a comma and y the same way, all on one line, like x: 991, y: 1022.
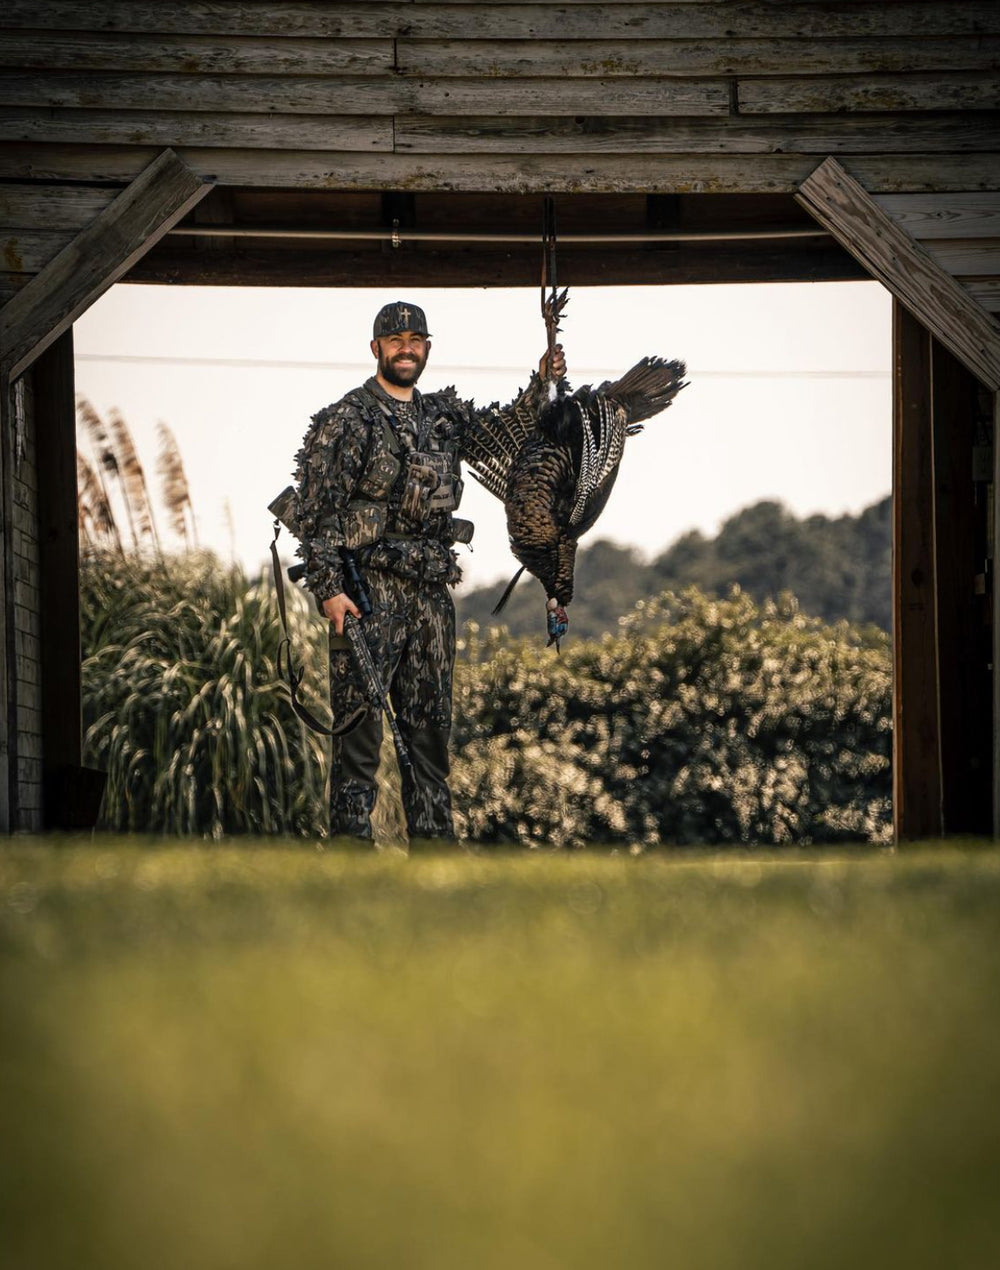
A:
x: 362, y: 524
x: 461, y: 530
x: 380, y: 477
x: 429, y: 486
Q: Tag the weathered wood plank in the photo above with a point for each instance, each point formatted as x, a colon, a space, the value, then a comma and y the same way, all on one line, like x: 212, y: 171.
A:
x: 448, y: 266
x: 783, y: 95
x: 604, y: 59
x: 985, y: 291
x: 362, y: 95
x: 190, y: 55
x: 28, y: 251
x: 971, y: 258
x: 583, y: 134
x: 181, y: 128
x: 47, y: 207
x: 48, y: 305
x: 436, y: 134
x: 578, y: 19
x: 670, y: 174
x: 916, y: 759
x: 843, y: 206
x: 936, y: 216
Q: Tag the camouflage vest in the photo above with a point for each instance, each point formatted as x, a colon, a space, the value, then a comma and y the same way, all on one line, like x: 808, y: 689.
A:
x: 406, y: 492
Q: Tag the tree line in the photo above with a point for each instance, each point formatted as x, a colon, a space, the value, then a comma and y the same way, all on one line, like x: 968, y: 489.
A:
x: 837, y: 568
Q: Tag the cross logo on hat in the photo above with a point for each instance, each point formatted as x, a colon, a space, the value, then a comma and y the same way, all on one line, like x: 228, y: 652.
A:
x: 391, y: 319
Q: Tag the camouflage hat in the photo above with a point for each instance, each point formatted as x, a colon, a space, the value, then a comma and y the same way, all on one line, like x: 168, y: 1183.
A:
x: 393, y: 318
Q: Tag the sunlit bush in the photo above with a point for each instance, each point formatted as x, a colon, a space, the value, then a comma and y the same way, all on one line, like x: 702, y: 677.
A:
x: 700, y: 721
x: 183, y: 706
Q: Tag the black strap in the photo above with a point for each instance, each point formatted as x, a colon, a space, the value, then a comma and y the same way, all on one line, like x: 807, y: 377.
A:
x: 286, y: 664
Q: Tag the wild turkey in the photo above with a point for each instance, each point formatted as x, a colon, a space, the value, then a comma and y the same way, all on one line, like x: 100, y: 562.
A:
x: 553, y: 462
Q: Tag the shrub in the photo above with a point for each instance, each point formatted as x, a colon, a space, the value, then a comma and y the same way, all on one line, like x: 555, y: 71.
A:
x: 183, y: 705
x: 700, y: 721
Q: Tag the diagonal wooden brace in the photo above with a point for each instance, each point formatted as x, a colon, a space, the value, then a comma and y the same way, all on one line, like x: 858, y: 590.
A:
x: 160, y: 196
x: 920, y: 284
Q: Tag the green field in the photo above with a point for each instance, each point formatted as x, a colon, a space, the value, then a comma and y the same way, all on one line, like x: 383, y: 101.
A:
x: 262, y: 1056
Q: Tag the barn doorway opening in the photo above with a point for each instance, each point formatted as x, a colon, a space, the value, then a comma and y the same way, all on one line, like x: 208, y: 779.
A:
x: 786, y: 419
x: 713, y: 240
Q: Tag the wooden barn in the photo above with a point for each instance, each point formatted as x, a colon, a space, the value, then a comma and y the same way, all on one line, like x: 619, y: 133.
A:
x: 338, y: 144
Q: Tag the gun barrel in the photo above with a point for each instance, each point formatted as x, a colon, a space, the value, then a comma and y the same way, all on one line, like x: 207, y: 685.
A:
x: 374, y: 687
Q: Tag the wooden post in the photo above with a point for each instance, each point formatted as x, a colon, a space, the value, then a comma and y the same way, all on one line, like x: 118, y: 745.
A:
x: 8, y: 716
x: 963, y: 677
x: 916, y: 732
x: 59, y: 580
x: 996, y: 615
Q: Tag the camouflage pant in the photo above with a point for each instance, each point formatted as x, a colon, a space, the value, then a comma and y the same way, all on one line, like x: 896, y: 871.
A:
x: 411, y: 632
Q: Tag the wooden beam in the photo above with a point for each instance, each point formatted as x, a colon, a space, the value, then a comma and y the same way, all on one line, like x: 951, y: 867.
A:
x: 694, y: 19
x: 100, y: 255
x: 963, y: 653
x: 59, y: 573
x: 502, y: 134
x: 448, y: 267
x: 843, y: 207
x: 502, y: 173
x: 916, y: 763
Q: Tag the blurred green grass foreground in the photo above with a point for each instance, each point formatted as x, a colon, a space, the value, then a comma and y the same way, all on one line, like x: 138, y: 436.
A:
x: 269, y: 1056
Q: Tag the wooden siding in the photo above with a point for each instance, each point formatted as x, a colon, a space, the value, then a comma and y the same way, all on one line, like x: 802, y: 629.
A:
x: 960, y: 232
x: 22, y: 617
x: 701, y: 97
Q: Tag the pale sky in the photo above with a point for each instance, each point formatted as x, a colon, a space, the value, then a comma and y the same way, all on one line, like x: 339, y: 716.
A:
x: 789, y: 395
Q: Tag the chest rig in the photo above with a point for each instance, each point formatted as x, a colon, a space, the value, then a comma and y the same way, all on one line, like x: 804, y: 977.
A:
x: 410, y: 486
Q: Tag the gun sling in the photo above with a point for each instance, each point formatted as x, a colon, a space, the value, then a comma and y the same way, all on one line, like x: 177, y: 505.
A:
x: 286, y: 663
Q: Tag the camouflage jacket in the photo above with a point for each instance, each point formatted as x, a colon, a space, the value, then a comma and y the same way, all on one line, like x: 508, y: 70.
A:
x: 349, y: 476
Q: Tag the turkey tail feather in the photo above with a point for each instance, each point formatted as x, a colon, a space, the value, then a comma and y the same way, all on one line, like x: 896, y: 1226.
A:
x: 506, y: 595
x: 649, y: 387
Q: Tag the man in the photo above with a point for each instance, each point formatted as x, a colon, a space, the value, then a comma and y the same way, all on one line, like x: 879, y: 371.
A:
x: 378, y: 482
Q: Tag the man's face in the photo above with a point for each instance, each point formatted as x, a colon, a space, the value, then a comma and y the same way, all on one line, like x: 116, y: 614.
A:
x: 402, y: 357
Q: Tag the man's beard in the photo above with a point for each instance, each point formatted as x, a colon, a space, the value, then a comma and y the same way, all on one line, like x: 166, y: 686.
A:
x: 404, y: 376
